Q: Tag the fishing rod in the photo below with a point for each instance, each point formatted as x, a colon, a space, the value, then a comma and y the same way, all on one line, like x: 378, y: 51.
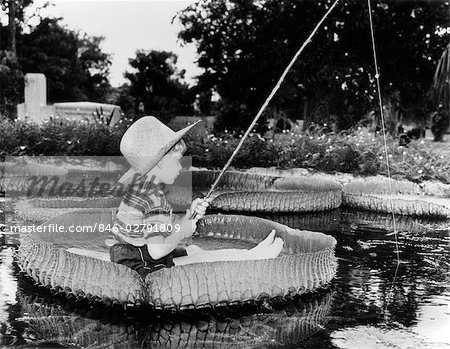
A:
x: 266, y: 102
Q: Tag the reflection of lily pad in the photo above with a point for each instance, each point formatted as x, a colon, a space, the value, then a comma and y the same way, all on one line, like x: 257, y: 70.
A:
x: 365, y: 221
x: 63, y: 323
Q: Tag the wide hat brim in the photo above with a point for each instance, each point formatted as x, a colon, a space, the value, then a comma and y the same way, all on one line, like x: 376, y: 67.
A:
x: 150, y: 162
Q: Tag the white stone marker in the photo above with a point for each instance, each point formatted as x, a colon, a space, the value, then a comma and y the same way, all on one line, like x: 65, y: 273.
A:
x: 35, y: 108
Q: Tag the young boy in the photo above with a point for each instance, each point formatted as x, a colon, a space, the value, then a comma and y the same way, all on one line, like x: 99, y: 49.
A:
x: 146, y: 232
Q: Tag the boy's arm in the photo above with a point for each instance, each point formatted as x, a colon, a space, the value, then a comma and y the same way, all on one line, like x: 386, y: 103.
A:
x: 159, y: 245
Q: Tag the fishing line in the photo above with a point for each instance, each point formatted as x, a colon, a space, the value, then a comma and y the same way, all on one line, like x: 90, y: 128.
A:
x: 383, y: 125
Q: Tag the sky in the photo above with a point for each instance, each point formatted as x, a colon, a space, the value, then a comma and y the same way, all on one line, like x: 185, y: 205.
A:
x: 128, y: 26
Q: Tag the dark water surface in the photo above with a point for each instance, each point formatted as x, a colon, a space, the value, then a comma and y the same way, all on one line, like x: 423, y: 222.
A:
x: 364, y: 308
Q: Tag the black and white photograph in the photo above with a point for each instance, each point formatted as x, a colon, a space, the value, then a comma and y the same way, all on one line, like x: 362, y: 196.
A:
x: 225, y: 174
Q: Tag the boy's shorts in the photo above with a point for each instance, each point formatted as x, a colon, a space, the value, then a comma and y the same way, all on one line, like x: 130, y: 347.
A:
x: 138, y: 258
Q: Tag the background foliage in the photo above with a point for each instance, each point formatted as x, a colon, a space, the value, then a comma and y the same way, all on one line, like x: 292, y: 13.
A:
x: 157, y: 87
x: 244, y: 45
x: 75, y: 67
x: 358, y: 151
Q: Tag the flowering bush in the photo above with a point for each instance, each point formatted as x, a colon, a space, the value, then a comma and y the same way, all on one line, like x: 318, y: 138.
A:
x: 60, y: 137
x: 359, y: 151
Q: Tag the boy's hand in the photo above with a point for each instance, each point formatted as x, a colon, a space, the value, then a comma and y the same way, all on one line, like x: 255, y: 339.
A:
x: 189, y: 225
x: 199, y: 206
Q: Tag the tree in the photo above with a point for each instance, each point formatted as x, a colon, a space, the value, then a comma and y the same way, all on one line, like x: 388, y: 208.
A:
x: 121, y: 96
x: 244, y: 45
x: 15, y: 10
x: 440, y: 89
x: 75, y: 67
x: 440, y: 96
x: 53, y: 50
x: 11, y: 76
x: 158, y: 86
x: 11, y: 84
x: 95, y: 64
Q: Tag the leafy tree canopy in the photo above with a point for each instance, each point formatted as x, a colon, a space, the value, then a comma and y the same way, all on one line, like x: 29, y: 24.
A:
x: 11, y: 76
x: 17, y: 11
x: 244, y: 45
x: 75, y: 66
x: 157, y: 86
x: 95, y: 64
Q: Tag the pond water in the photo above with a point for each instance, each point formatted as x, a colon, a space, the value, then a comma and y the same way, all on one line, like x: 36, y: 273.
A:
x: 365, y: 307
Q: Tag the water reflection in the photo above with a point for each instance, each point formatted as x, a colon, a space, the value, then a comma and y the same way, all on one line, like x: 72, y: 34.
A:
x: 385, y: 337
x: 48, y: 321
x: 349, y: 221
x: 8, y: 285
x: 367, y: 301
x: 369, y: 275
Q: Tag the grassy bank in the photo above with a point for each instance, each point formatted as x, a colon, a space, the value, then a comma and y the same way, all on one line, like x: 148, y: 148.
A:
x: 359, y: 152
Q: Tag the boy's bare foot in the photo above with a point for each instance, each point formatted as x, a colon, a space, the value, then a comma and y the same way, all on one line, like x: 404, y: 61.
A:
x: 270, y: 247
x: 268, y: 240
x: 274, y: 250
x: 193, y: 249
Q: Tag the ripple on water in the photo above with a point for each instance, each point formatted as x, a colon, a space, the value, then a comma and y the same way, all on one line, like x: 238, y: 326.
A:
x: 370, y: 337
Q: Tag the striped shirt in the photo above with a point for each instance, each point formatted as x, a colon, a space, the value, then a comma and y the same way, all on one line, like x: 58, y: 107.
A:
x: 143, y: 213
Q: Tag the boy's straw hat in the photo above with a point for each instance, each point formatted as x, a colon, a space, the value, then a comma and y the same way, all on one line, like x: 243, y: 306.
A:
x: 145, y: 143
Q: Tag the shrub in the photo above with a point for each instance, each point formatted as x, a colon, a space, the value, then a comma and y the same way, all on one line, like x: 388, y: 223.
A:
x: 216, y: 150
x: 440, y: 124
x: 237, y: 117
x: 11, y: 84
x: 358, y: 152
x: 60, y: 137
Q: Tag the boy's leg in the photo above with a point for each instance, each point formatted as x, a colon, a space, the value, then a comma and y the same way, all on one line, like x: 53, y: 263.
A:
x: 268, y: 248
